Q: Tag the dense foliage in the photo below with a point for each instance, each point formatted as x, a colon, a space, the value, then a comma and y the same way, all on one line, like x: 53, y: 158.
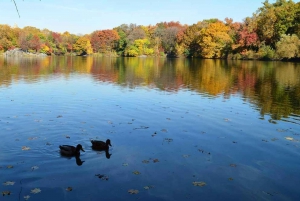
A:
x: 272, y: 32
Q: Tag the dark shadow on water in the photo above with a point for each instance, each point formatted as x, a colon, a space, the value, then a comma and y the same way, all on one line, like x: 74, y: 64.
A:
x: 79, y: 162
x: 107, y: 154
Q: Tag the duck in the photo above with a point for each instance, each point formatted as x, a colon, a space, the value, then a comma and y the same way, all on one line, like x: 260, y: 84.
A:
x: 69, y: 150
x: 100, y: 145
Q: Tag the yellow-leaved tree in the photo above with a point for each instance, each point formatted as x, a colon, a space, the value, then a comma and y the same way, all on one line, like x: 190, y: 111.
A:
x: 214, y: 41
x: 83, y: 46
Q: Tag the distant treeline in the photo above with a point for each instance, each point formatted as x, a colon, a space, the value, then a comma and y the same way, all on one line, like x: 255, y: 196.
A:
x: 272, y: 32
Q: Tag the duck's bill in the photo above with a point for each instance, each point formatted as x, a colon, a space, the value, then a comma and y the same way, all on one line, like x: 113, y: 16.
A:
x: 110, y: 145
x: 82, y: 150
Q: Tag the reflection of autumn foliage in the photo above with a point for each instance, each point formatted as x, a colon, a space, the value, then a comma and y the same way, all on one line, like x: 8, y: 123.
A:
x: 274, y: 88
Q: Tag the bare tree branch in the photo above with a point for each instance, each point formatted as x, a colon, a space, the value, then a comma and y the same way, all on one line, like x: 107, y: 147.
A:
x: 16, y: 7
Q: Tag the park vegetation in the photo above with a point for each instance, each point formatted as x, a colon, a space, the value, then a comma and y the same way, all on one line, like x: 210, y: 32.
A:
x: 272, y: 32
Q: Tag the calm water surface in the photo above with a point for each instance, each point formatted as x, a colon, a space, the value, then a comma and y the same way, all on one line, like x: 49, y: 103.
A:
x: 232, y: 125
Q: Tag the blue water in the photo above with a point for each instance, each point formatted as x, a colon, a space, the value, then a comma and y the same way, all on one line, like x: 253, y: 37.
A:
x: 195, y: 136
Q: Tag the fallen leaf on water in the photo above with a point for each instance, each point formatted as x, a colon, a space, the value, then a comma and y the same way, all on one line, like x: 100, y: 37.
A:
x: 6, y: 193
x: 125, y: 164
x: 26, y: 197
x: 136, y: 172
x: 282, y: 130
x: 25, y: 148
x: 148, y: 187
x: 34, y: 168
x: 9, y: 166
x: 199, y: 183
x: 289, y: 138
x: 69, y: 189
x: 102, y: 176
x: 230, y: 179
x: 232, y: 165
x: 35, y: 190
x: 155, y: 160
x: 145, y: 161
x: 168, y: 139
x: 9, y: 183
x: 132, y: 191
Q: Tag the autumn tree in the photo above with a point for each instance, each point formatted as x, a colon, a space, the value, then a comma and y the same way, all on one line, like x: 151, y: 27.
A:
x: 273, y: 20
x: 214, y: 41
x: 104, y: 40
x: 8, y: 37
x: 83, y: 46
x: 139, y: 47
x: 288, y: 46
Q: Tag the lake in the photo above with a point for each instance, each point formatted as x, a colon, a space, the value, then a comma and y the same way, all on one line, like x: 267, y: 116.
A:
x: 180, y: 129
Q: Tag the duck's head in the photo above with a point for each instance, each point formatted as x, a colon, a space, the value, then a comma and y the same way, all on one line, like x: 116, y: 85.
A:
x: 108, y: 142
x: 79, y: 147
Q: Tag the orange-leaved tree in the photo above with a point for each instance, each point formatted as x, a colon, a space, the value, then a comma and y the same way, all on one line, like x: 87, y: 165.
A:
x: 104, y: 40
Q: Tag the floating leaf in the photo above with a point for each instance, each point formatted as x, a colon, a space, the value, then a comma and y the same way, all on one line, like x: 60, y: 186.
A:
x: 155, y: 160
x: 136, y: 172
x: 232, y: 165
x: 289, y: 138
x: 282, y: 130
x: 9, y: 166
x: 69, y: 189
x: 132, y: 191
x: 26, y: 197
x: 125, y: 164
x: 34, y: 168
x: 230, y: 179
x: 148, y: 187
x: 145, y: 161
x: 199, y: 183
x: 36, y: 190
x: 25, y: 148
x: 4, y: 193
x: 102, y: 176
x: 9, y: 183
x: 168, y: 139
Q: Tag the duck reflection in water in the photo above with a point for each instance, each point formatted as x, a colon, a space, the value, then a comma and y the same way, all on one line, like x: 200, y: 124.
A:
x: 79, y: 162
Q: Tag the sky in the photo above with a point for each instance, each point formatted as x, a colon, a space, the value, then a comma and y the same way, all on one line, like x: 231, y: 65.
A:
x: 86, y: 16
